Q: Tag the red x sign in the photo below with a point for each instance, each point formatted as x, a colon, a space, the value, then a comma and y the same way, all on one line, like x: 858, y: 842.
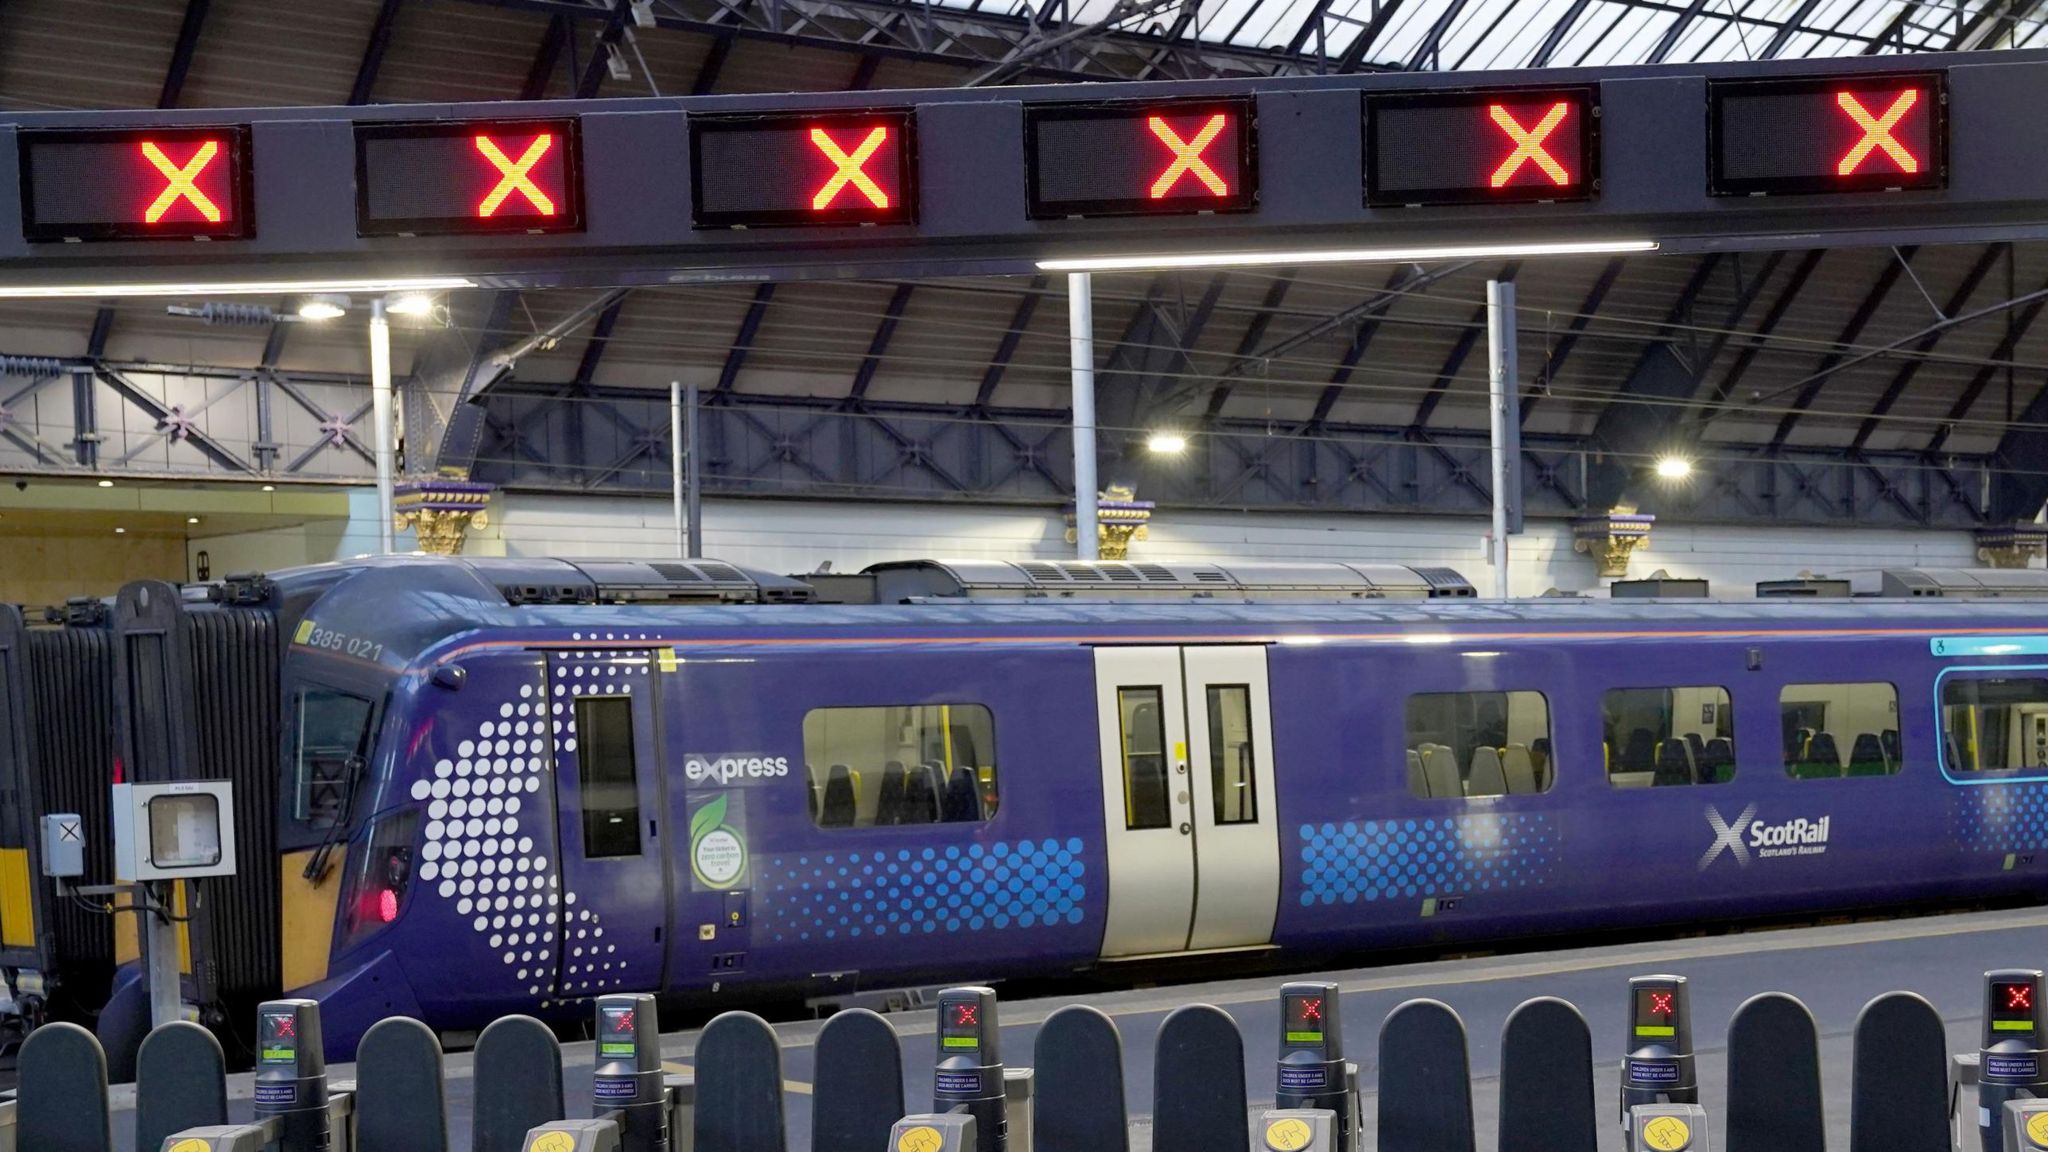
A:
x: 515, y: 175
x: 2019, y: 997
x: 1660, y: 1003
x: 1529, y: 144
x: 849, y: 169
x: 1187, y: 156
x: 286, y: 1026
x: 179, y: 181
x: 1877, y: 132
x: 1312, y: 1009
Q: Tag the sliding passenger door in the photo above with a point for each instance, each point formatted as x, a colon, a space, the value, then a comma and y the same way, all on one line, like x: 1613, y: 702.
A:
x: 1187, y: 798
x: 614, y: 903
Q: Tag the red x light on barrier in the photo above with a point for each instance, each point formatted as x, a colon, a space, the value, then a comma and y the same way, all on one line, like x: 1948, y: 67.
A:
x: 468, y: 176
x: 102, y: 184
x: 1827, y: 134
x: 1660, y: 1003
x: 2019, y: 997
x: 1481, y: 147
x: 803, y: 168
x: 1139, y: 157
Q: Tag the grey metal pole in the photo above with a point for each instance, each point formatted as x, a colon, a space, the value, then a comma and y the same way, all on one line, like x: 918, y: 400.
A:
x: 675, y: 460
x: 1505, y: 408
x: 380, y: 409
x: 1081, y: 341
x: 160, y: 948
x: 693, y: 424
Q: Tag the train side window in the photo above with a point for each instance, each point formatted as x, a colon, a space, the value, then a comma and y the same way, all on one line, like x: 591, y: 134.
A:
x: 1663, y: 737
x: 1233, y: 761
x: 332, y: 737
x: 1478, y: 744
x: 900, y: 764
x: 607, y: 777
x: 1835, y: 730
x: 1994, y: 723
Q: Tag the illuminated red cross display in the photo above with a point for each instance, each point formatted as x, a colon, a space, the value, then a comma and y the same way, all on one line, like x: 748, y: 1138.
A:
x: 178, y: 181
x: 849, y: 169
x: 515, y: 175
x: 624, y: 1021
x: 1312, y: 1009
x: 1877, y: 132
x: 285, y: 1027
x: 2019, y: 997
x: 1187, y: 156
x: 1529, y: 147
x: 965, y: 1013
x: 1660, y: 1003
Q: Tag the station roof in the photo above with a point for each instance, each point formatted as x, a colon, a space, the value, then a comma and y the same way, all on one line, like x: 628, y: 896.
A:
x: 1845, y: 352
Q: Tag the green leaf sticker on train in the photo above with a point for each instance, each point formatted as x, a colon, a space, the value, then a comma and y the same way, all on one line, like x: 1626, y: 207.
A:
x: 718, y: 851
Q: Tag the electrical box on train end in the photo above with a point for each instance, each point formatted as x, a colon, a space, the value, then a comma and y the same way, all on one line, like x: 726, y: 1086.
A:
x: 176, y: 831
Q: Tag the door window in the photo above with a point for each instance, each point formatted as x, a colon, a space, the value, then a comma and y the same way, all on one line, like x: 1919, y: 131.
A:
x: 1142, y: 723
x: 1233, y: 780
x: 1990, y: 724
x: 607, y: 776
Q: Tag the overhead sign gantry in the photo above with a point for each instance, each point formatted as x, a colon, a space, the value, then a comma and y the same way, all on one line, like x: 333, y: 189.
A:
x: 1799, y: 153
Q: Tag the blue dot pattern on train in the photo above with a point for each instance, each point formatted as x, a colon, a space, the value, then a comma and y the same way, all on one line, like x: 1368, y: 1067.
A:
x: 1452, y: 856
x: 900, y: 892
x: 2001, y: 818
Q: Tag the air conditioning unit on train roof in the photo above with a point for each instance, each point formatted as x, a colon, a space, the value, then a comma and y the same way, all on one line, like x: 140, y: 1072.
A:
x: 1949, y: 583
x: 582, y: 581
x: 911, y: 581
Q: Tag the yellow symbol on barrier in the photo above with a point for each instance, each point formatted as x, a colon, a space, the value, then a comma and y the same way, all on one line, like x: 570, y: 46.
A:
x: 192, y: 1146
x: 1667, y: 1134
x: 552, y: 1142
x: 2037, y: 1129
x: 1288, y: 1135
x: 919, y: 1139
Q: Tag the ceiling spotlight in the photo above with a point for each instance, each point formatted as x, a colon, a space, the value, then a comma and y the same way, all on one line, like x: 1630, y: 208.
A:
x: 191, y: 519
x: 1673, y: 468
x: 106, y: 483
x: 270, y: 487
x: 1166, y: 443
x: 325, y: 306
x: 120, y: 531
x: 410, y: 304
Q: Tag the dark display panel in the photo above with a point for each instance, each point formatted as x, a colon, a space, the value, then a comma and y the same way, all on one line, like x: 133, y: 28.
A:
x: 279, y: 1037
x: 1827, y: 134
x: 135, y: 184
x: 2012, y: 1006
x: 1303, y: 1021
x: 823, y: 168
x: 617, y: 1034
x: 1140, y: 158
x: 1656, y: 1012
x: 1481, y: 147
x: 470, y: 176
x: 960, y: 1024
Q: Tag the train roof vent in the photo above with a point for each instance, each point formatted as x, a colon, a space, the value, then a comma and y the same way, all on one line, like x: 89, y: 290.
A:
x: 918, y: 580
x: 1659, y: 587
x: 670, y: 582
x: 1803, y: 588
x: 1949, y: 583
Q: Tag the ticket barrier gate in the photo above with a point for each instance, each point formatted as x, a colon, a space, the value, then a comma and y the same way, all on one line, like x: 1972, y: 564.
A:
x: 296, y: 1109
x: 1315, y: 1097
x: 638, y: 1107
x: 1660, y: 1092
x: 978, y: 1104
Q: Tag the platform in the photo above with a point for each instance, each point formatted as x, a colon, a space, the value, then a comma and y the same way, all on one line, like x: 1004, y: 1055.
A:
x: 1834, y: 969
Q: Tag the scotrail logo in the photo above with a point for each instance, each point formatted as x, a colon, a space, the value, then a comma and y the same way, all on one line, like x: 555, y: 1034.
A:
x: 1738, y: 838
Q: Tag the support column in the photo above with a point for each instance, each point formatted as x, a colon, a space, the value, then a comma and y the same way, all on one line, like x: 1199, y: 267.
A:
x: 380, y: 411
x: 1504, y: 404
x: 1081, y: 344
x: 693, y: 457
x: 675, y: 461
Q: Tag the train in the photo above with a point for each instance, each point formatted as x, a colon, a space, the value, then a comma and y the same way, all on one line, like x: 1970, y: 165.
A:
x: 474, y: 786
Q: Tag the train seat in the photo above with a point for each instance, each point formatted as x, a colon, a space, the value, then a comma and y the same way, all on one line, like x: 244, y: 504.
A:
x: 1696, y: 746
x: 1640, y: 753
x: 1866, y: 756
x: 1719, y: 765
x: 889, y: 801
x: 1822, y: 761
x: 1674, y: 764
x: 963, y: 800
x: 811, y: 779
x: 920, y: 796
x: 1440, y: 768
x: 1889, y: 739
x: 1418, y: 783
x: 838, y: 808
x: 1520, y: 770
x: 1486, y: 778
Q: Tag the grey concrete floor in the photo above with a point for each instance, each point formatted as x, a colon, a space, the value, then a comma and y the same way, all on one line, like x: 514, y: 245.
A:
x: 1835, y: 970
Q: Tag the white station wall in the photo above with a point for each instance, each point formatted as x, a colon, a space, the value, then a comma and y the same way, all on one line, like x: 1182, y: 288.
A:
x: 797, y: 536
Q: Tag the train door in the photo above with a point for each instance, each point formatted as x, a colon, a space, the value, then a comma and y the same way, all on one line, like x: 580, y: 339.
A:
x: 608, y: 800
x: 1188, y: 806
